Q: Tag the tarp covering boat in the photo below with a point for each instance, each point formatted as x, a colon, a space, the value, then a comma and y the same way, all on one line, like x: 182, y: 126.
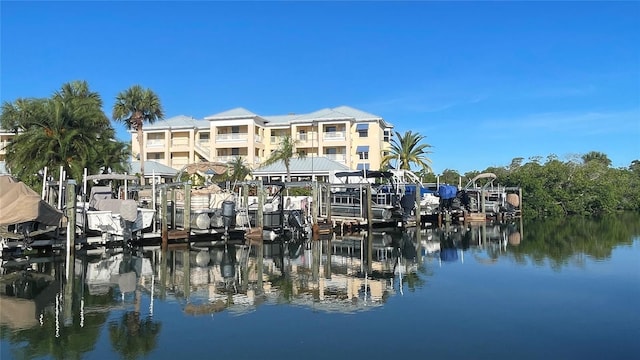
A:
x: 19, y: 204
x: 447, y: 192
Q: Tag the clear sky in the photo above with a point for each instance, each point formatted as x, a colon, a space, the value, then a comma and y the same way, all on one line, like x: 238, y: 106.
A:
x: 485, y: 82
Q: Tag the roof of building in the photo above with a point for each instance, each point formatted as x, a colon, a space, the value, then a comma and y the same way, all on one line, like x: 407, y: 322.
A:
x: 307, y: 165
x: 326, y: 114
x: 180, y: 121
x: 151, y: 167
x: 236, y: 113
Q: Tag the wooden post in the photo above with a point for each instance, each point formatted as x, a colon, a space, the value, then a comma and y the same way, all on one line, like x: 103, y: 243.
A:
x: 187, y: 208
x: 164, y: 210
x: 245, y: 204
x: 71, y: 214
x: 260, y: 212
x: 520, y: 200
x: 369, y: 200
x: 327, y: 201
x: 418, y: 210
x: 174, y: 209
x: 314, y: 200
x: 482, y: 202
x: 245, y: 196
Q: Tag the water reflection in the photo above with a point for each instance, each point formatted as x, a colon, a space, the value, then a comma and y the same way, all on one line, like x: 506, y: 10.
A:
x: 57, y: 306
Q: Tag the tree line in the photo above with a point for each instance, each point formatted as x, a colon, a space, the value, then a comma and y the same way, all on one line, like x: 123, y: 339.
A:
x: 582, y: 185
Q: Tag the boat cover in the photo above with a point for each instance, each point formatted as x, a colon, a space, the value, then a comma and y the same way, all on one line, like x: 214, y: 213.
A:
x: 447, y: 192
x: 18, y: 204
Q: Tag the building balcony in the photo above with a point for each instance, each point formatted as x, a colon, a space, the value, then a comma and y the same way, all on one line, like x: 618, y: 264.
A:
x: 227, y: 158
x: 154, y: 143
x: 341, y: 158
x: 334, y: 136
x: 232, y: 137
x: 276, y: 139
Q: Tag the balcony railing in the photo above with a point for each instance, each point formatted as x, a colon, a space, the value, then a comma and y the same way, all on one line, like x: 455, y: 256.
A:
x: 257, y: 138
x: 307, y: 137
x: 232, y: 137
x: 154, y: 143
x: 227, y: 158
x: 334, y: 135
x: 276, y: 139
x: 341, y: 158
x: 180, y: 142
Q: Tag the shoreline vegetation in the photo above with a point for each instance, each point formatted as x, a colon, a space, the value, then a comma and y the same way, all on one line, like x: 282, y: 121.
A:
x: 70, y: 130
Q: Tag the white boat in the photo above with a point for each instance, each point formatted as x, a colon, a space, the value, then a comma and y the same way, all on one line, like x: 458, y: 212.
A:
x: 113, y: 217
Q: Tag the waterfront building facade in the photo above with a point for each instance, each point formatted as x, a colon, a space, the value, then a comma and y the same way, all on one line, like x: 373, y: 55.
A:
x: 348, y: 136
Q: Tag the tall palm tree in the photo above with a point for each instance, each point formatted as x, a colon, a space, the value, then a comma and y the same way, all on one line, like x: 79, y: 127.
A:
x: 134, y: 107
x: 285, y: 152
x: 408, y: 149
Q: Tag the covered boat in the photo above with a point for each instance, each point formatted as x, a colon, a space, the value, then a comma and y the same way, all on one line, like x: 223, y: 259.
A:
x: 23, y: 213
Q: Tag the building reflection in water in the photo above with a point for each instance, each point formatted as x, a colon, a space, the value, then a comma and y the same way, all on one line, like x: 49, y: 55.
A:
x: 70, y: 296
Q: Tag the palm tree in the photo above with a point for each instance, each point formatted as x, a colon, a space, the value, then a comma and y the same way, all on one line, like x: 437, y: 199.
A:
x: 408, y: 149
x: 239, y: 169
x: 59, y: 131
x: 596, y: 156
x: 134, y: 107
x: 285, y: 153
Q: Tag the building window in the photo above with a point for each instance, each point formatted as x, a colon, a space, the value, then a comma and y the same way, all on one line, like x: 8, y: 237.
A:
x: 387, y: 135
x: 330, y: 129
x: 204, y: 137
x: 363, y: 166
x: 363, y: 130
x: 235, y: 151
x: 363, y: 152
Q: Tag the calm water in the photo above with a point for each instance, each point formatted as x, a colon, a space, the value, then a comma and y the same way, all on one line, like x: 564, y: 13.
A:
x: 563, y: 289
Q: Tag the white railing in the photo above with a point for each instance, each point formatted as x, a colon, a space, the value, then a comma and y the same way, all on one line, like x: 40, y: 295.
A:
x: 307, y: 137
x: 336, y: 157
x: 257, y: 138
x: 227, y: 158
x: 154, y: 143
x: 232, y: 137
x: 277, y: 139
x: 334, y: 135
x: 180, y: 143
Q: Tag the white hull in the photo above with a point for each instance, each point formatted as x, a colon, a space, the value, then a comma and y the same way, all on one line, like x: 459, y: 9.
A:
x: 111, y: 223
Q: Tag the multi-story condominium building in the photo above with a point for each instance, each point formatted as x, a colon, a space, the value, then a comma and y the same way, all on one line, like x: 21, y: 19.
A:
x: 346, y: 135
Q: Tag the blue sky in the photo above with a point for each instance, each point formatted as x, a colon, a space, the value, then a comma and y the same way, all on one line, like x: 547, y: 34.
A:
x: 485, y: 82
